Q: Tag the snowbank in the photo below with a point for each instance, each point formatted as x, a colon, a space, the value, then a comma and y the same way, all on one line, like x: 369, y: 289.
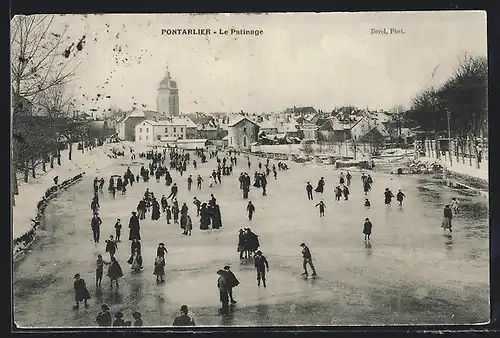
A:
x: 21, y: 243
x: 30, y: 193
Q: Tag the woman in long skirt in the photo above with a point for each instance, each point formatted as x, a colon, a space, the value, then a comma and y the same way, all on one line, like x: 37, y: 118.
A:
x: 159, y: 270
x: 114, y: 272
x: 81, y: 291
x: 448, y: 216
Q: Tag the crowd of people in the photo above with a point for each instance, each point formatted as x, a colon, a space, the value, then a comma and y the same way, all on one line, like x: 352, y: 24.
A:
x: 161, y: 165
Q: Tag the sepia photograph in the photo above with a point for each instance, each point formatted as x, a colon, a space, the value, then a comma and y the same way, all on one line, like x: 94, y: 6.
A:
x: 249, y: 170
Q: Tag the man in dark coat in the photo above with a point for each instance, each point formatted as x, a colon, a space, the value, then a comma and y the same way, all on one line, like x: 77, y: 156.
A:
x: 222, y: 286
x: 309, y: 189
x: 252, y: 241
x: 231, y: 281
x: 184, y: 319
x: 261, y: 265
x: 307, y: 259
x: 251, y: 210
x: 134, y: 227
x: 96, y: 227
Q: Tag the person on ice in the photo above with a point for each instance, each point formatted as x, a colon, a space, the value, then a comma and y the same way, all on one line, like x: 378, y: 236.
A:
x: 190, y: 181
x: 223, y: 295
x: 114, y: 272
x: 155, y: 213
x: 104, y: 317
x: 322, y: 207
x: 189, y: 226
x: 455, y: 205
x: 173, y: 192
x: 81, y: 292
x: 119, y: 319
x: 388, y: 196
x: 199, y: 180
x: 232, y: 282
x: 175, y: 212
x: 99, y: 270
x: 111, y: 246
x: 309, y: 189
x: 250, y: 210
x: 134, y: 226
x: 161, y: 250
x: 348, y: 178
x: 307, y: 259
x: 137, y: 319
x: 448, y: 216
x: 95, y: 224
x: 367, y: 228
x: 400, y: 197
x: 198, y: 205
x: 367, y: 203
x: 337, y: 192
x: 184, y: 319
x: 321, y: 185
x: 345, y: 192
x: 118, y: 230
x: 168, y: 214
x: 164, y: 203
x: 261, y: 265
x: 159, y: 270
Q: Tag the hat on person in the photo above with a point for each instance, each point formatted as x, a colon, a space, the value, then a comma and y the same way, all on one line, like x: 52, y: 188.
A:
x: 302, y: 244
x: 104, y: 307
x: 227, y: 267
x: 259, y: 252
x: 367, y: 219
x: 119, y: 314
x: 184, y: 308
x: 162, y: 244
x: 77, y: 275
x: 134, y: 213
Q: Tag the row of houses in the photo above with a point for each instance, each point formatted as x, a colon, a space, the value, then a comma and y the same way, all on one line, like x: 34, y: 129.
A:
x: 240, y: 130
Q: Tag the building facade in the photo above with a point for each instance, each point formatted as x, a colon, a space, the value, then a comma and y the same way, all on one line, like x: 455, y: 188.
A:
x: 150, y: 131
x: 167, y: 100
x: 243, y: 133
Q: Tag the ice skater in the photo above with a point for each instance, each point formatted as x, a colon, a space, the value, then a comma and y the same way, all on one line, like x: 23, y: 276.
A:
x: 81, y: 292
x: 261, y: 265
x: 367, y: 229
x: 307, y: 260
x: 250, y: 210
x: 322, y: 208
x: 400, y: 197
x: 309, y: 189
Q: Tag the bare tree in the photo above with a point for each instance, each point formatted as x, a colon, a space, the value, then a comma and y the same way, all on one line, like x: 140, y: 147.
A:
x: 40, y: 59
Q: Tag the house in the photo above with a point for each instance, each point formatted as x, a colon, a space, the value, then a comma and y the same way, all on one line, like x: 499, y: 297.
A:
x: 309, y: 131
x: 191, y: 127
x: 242, y: 133
x: 125, y: 127
x: 268, y: 127
x: 150, y: 130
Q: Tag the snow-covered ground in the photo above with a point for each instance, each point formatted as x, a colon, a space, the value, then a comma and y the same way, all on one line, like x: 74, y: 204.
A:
x: 90, y: 162
x: 410, y: 273
x: 466, y: 169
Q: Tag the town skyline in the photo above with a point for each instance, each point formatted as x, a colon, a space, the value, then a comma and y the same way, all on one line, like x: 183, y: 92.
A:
x: 320, y: 60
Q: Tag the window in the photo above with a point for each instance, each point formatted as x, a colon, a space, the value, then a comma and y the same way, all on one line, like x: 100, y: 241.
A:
x: 231, y: 140
x: 140, y: 138
x: 147, y: 130
x: 140, y: 130
x: 175, y: 130
x: 245, y: 129
x: 146, y: 138
x: 180, y: 137
x: 158, y: 137
x: 244, y: 141
x: 166, y: 130
x: 181, y: 130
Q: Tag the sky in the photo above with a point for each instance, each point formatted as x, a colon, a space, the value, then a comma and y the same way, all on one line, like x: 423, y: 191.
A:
x: 301, y: 59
